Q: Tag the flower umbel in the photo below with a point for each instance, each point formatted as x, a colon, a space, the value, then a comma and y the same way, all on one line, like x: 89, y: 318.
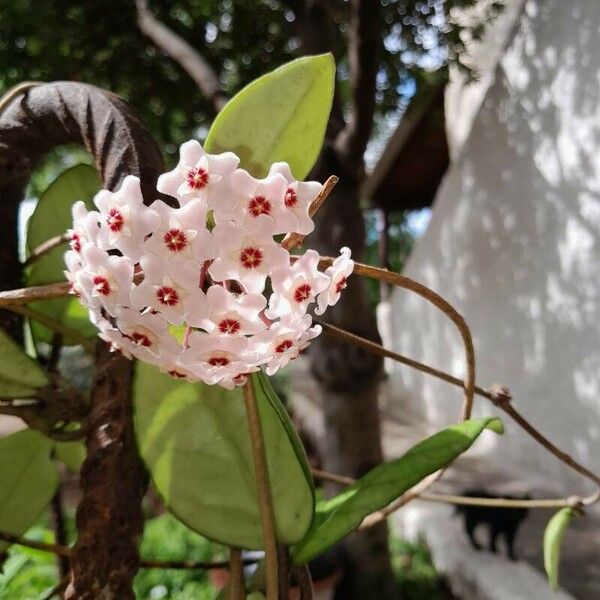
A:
x: 203, y: 304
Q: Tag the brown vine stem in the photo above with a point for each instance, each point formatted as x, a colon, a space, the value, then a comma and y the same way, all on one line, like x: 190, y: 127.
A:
x: 265, y: 500
x: 440, y: 303
x: 292, y: 240
x: 46, y: 247
x: 499, y: 396
x: 571, y: 502
x: 237, y: 588
x: 55, y: 325
x: 39, y: 292
x: 60, y: 550
x: 302, y: 575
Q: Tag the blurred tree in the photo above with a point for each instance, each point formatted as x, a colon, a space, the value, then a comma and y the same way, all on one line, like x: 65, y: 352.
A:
x: 177, y: 69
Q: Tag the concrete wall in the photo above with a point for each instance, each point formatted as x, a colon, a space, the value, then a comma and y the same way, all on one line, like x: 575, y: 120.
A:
x: 514, y: 244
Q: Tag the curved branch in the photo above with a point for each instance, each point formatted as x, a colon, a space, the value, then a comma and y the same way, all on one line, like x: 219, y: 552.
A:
x: 182, y: 53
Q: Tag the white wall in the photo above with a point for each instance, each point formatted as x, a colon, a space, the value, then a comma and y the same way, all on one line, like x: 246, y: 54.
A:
x: 514, y: 244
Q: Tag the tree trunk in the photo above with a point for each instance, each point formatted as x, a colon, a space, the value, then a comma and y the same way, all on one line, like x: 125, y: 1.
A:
x: 349, y: 379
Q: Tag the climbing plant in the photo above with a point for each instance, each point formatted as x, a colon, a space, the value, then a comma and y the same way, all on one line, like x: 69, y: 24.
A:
x: 190, y: 289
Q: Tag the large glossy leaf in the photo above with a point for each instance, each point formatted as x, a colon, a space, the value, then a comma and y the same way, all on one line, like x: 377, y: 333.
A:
x: 337, y: 517
x: 195, y: 442
x: 28, y: 480
x: 553, y: 537
x: 51, y: 217
x: 20, y: 376
x: 280, y: 116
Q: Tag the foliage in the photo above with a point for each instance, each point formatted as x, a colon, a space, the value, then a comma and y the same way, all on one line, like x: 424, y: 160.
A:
x: 299, y: 97
x: 28, y: 480
x: 29, y: 574
x: 553, y: 537
x: 194, y: 439
x: 52, y: 217
x: 45, y: 42
x: 167, y: 538
x: 338, y: 516
x: 414, y: 571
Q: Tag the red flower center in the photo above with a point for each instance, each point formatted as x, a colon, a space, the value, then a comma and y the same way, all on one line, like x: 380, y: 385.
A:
x: 115, y: 220
x: 229, y: 326
x: 167, y: 295
x: 176, y: 374
x: 302, y: 293
x: 259, y: 205
x: 175, y: 240
x: 101, y: 285
x: 141, y: 339
x: 75, y: 242
x: 283, y: 346
x: 340, y: 285
x: 251, y: 257
x: 197, y: 178
x: 291, y: 198
x: 218, y: 361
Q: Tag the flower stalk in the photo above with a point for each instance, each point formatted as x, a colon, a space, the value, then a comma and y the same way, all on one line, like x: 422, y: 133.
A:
x: 265, y: 500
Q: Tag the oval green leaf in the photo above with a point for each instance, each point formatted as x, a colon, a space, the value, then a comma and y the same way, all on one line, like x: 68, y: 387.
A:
x: 337, y: 517
x: 20, y: 376
x: 194, y: 440
x: 553, y: 537
x: 28, y: 480
x: 281, y: 116
x: 52, y: 217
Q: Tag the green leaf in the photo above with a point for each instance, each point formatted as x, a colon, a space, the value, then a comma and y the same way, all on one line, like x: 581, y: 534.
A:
x: 20, y: 375
x: 281, y: 116
x: 256, y: 596
x: 52, y: 217
x: 553, y: 536
x: 337, y: 517
x: 28, y: 480
x: 194, y: 440
x: 72, y: 454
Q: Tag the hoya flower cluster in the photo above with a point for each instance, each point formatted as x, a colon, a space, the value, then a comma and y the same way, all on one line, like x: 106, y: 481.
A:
x: 200, y: 302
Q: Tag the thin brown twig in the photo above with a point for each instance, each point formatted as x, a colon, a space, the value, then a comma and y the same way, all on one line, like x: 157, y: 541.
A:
x: 499, y: 396
x: 237, y: 587
x: 573, y: 501
x: 61, y: 550
x: 46, y: 247
x: 39, y: 292
x: 292, y: 240
x: 265, y: 501
x: 55, y: 325
x: 302, y: 575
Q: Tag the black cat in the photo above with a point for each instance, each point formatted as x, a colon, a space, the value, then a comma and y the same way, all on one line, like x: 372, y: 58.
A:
x: 499, y: 521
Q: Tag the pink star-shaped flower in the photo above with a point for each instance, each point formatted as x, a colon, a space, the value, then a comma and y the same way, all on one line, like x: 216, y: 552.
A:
x: 226, y: 313
x: 199, y: 175
x: 104, y: 280
x: 124, y: 220
x: 182, y: 234
x: 297, y: 286
x: 338, y: 273
x: 172, y: 290
x: 297, y: 199
x: 247, y: 253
